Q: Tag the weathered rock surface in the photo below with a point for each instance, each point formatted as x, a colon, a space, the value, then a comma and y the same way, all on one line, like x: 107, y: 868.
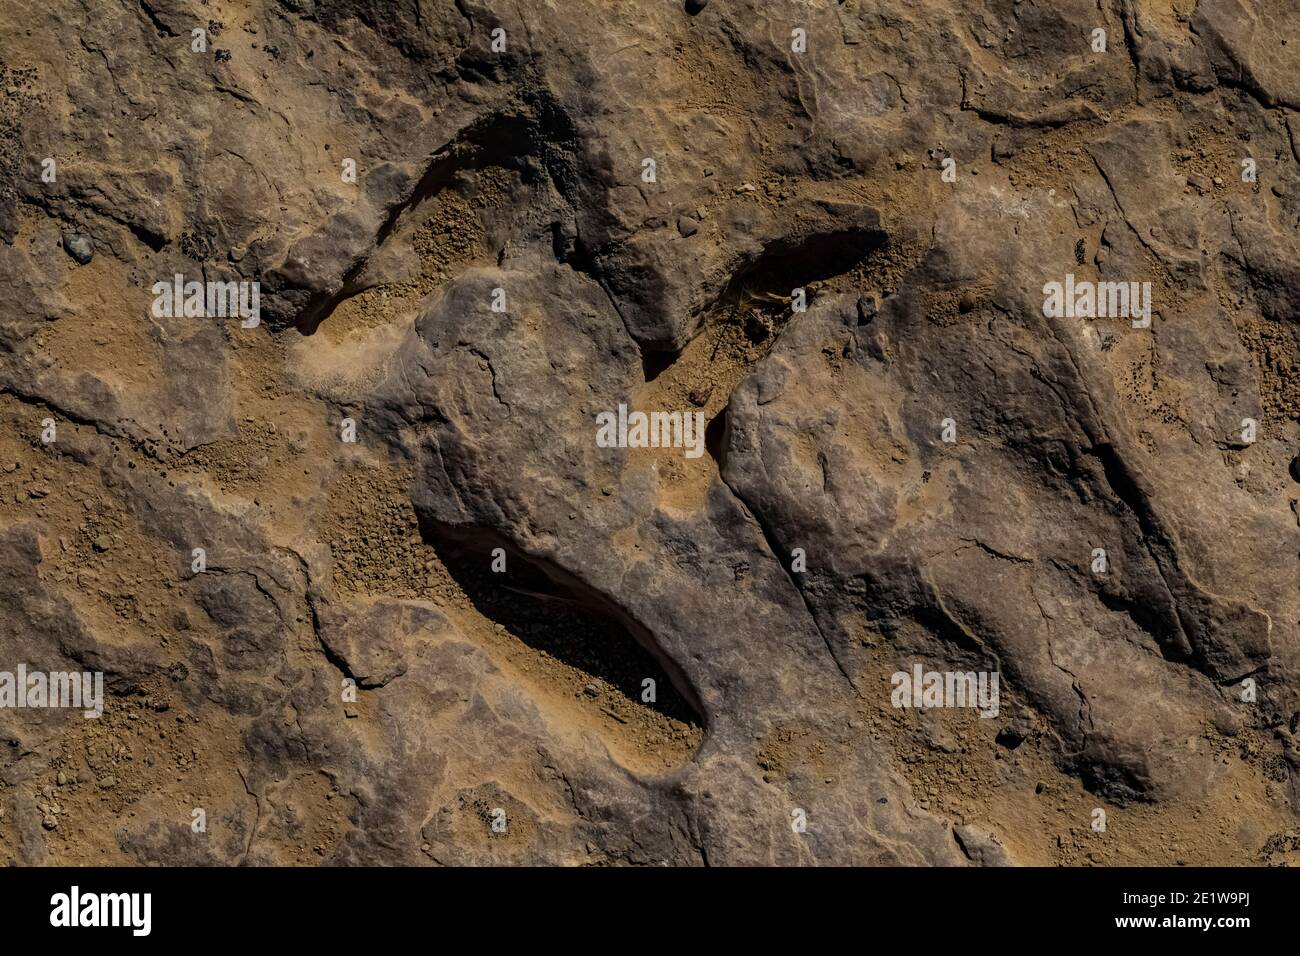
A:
x: 364, y: 585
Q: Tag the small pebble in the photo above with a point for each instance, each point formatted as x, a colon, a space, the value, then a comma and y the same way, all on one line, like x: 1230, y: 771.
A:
x: 866, y: 309
x: 79, y: 247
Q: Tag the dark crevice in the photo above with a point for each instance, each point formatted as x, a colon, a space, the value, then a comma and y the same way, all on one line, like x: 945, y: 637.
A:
x: 578, y: 257
x: 494, y: 142
x: 162, y: 28
x: 715, y: 438
x: 654, y: 364
x: 56, y: 209
x: 1148, y: 619
x: 1192, y: 618
x: 501, y: 140
x: 556, y: 614
x: 153, y: 240
x: 793, y: 263
x: 936, y: 619
x: 759, y: 294
x: 1166, y: 628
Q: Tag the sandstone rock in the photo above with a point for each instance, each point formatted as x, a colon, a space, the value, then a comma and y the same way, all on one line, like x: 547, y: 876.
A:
x: 369, y: 559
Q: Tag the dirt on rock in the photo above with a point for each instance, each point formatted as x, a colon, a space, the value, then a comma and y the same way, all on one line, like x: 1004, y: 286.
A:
x: 366, y: 578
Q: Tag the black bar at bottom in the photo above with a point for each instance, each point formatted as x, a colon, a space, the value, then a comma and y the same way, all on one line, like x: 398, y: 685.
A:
x: 350, y: 905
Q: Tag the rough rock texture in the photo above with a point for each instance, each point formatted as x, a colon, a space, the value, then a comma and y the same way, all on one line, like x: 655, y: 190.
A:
x: 561, y: 208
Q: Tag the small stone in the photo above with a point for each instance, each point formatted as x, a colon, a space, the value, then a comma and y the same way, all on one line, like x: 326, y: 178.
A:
x: 866, y: 309
x: 699, y: 396
x: 79, y: 247
x: 50, y: 822
x: 687, y: 226
x: 967, y: 302
x: 591, y: 690
x: 103, y: 543
x: 1013, y: 734
x: 61, y: 779
x: 107, y: 783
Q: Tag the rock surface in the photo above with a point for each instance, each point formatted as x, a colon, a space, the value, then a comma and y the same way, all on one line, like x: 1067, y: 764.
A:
x: 365, y: 587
